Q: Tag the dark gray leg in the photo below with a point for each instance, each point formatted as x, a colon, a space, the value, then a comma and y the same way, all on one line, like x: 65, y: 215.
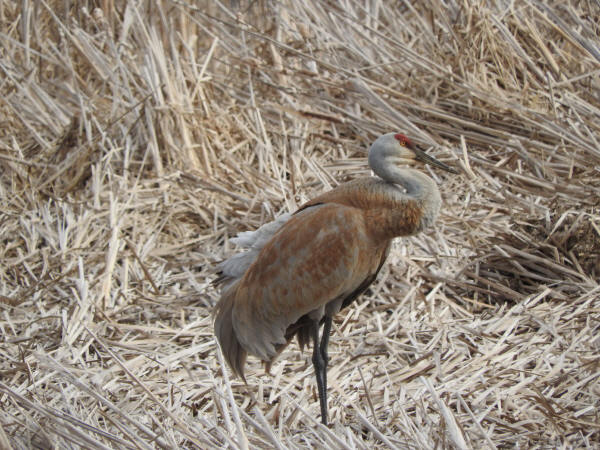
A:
x: 323, y: 349
x: 320, y: 364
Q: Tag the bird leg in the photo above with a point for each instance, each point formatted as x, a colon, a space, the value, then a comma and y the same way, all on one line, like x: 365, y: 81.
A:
x: 323, y: 350
x: 320, y: 359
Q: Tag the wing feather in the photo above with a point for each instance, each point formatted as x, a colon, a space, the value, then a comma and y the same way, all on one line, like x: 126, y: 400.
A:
x: 233, y: 268
x: 320, y: 254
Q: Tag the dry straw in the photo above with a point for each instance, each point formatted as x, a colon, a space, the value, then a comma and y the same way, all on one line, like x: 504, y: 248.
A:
x: 137, y: 137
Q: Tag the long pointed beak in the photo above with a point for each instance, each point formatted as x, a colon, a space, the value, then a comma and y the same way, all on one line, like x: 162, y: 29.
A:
x: 425, y: 158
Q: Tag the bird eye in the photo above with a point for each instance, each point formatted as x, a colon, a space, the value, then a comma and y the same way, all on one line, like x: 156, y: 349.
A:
x: 402, y: 140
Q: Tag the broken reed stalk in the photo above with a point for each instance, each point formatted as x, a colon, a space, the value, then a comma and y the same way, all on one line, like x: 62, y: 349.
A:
x: 137, y: 138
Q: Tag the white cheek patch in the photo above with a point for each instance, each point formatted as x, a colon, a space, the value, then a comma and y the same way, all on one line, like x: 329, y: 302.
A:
x: 399, y: 160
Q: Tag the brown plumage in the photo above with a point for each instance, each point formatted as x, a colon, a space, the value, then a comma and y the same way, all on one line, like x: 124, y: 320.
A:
x: 302, y: 269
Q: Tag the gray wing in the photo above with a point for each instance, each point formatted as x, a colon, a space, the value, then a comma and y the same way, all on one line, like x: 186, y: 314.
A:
x: 233, y: 268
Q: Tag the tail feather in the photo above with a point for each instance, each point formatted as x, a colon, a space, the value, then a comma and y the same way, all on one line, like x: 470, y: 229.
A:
x: 300, y: 329
x: 234, y: 353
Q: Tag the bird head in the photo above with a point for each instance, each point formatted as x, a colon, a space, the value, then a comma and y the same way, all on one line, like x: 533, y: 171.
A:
x: 396, y: 148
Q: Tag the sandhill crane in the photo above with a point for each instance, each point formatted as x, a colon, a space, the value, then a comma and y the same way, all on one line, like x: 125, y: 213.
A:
x: 301, y: 269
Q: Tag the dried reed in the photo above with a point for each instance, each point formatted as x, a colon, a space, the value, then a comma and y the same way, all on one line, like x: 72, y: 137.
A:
x: 138, y: 137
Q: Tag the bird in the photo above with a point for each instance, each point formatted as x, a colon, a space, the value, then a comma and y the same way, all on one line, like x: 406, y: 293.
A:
x: 301, y: 269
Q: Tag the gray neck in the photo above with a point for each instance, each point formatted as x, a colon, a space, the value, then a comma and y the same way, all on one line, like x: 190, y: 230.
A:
x: 418, y: 187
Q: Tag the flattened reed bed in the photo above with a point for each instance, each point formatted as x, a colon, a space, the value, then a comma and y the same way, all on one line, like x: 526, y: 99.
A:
x: 138, y: 137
